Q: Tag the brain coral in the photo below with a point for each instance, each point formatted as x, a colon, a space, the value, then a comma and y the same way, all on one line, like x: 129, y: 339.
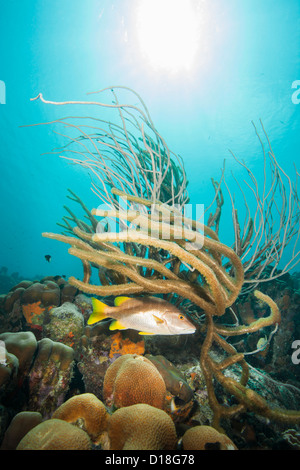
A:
x: 141, y: 427
x: 55, y: 434
x: 132, y: 379
x: 87, y: 412
x: 206, y: 438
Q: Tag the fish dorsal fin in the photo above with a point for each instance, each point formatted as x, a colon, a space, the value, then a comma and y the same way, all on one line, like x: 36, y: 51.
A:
x: 120, y: 300
x: 116, y: 325
x: 158, y: 320
x: 145, y: 333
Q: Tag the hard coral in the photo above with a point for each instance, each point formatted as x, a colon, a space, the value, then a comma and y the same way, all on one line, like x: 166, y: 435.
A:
x: 32, y: 300
x: 17, y: 351
x: 87, y: 412
x: 55, y: 434
x: 132, y: 379
x: 37, y: 299
x: 23, y: 346
x: 98, y: 349
x: 94, y: 357
x: 20, y: 425
x: 49, y: 377
x: 66, y: 325
x: 141, y: 427
x: 206, y: 438
x: 8, y: 374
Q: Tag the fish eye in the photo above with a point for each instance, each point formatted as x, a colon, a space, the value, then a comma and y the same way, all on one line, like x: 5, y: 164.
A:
x: 181, y: 317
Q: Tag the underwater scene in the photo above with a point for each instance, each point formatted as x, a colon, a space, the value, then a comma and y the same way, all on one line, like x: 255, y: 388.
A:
x: 149, y: 266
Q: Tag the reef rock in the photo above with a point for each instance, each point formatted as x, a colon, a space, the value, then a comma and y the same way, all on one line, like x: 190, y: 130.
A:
x: 66, y: 325
x: 99, y: 348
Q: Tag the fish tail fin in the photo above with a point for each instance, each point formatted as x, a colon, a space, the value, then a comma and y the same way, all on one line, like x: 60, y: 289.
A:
x: 99, y: 311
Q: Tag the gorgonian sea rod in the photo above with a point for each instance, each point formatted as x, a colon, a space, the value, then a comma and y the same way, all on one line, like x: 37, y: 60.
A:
x: 144, y: 187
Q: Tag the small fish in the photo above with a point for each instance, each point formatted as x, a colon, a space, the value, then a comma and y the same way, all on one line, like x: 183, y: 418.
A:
x: 48, y: 258
x: 262, y: 343
x: 148, y: 315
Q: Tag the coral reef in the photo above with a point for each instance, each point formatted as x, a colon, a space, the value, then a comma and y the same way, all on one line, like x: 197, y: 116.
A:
x: 49, y: 377
x: 155, y: 390
x: 206, y: 438
x: 55, y: 434
x: 65, y: 325
x: 23, y: 346
x: 8, y: 374
x: 133, y: 379
x: 20, y: 425
x: 87, y: 412
x: 99, y: 347
x: 28, y: 303
x: 19, y: 351
x: 292, y: 439
x: 180, y: 396
x: 36, y: 374
x: 141, y: 427
x: 37, y: 298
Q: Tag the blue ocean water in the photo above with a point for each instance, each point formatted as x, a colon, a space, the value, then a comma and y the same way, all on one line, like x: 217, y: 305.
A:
x: 245, y: 65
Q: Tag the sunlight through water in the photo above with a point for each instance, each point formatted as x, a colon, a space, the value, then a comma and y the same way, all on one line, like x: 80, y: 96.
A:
x: 168, y: 33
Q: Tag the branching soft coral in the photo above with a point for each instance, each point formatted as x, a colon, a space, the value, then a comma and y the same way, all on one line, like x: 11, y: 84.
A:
x: 144, y: 185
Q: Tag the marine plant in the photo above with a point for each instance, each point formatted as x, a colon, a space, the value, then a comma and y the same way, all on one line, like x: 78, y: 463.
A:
x: 154, y: 248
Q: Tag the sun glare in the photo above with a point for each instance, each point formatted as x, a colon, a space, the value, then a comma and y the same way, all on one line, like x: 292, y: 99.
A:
x: 168, y: 33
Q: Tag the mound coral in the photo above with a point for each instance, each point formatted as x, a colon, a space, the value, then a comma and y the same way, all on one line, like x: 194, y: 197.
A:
x: 206, y: 438
x: 86, y: 412
x: 55, y: 434
x: 37, y: 299
x: 141, y: 427
x: 11, y: 316
x: 132, y: 379
x: 23, y: 346
x: 20, y: 425
x: 18, y: 351
x: 8, y: 374
x: 31, y: 301
x: 49, y: 377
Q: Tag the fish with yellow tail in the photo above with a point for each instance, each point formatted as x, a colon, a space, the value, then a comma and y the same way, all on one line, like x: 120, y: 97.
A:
x: 147, y: 315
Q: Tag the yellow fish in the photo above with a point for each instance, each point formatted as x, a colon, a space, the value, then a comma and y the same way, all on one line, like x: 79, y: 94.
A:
x: 148, y: 315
